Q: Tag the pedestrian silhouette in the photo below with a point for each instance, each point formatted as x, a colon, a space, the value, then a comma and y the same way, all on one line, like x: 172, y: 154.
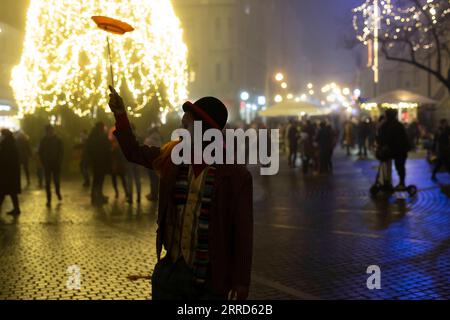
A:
x: 134, y: 174
x: 51, y: 155
x: 118, y: 167
x: 99, y: 155
x: 393, y: 143
x: 9, y: 170
x: 23, y: 146
x: 442, y: 148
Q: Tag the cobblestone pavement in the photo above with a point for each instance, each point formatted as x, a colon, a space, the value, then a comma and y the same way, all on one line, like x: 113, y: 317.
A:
x: 315, y: 236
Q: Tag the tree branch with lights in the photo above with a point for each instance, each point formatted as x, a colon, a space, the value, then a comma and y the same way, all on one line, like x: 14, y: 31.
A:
x: 413, y: 32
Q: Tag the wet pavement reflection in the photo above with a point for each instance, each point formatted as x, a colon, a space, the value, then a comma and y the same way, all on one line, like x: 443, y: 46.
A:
x: 315, y: 236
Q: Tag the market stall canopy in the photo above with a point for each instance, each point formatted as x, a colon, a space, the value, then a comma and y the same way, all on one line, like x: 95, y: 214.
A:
x: 401, y: 96
x: 293, y: 109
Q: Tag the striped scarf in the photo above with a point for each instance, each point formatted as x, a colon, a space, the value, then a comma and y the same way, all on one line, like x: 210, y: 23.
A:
x: 201, y: 255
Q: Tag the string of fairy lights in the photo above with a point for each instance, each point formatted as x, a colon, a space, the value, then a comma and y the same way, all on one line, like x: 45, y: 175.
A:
x: 392, y: 21
x: 64, y: 61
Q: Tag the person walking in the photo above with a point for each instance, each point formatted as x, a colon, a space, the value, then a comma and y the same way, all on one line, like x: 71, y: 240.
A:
x: 285, y: 136
x: 134, y: 174
x: 442, y: 148
x: 293, y: 143
x: 9, y: 170
x: 118, y: 167
x: 348, y: 134
x: 307, y: 136
x: 414, y: 134
x: 324, y: 141
x: 205, y: 214
x: 51, y: 156
x: 99, y: 155
x: 393, y: 143
x: 23, y: 145
x: 334, y: 132
x: 363, y: 135
x: 372, y: 134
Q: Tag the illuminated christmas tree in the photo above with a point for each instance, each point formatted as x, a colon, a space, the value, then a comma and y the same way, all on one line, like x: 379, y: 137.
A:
x: 408, y: 31
x: 64, y: 61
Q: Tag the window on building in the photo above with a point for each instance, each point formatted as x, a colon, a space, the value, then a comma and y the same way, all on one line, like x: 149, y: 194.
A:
x: 218, y: 72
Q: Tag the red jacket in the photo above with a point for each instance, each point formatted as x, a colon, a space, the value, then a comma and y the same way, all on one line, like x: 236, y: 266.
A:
x: 231, y: 218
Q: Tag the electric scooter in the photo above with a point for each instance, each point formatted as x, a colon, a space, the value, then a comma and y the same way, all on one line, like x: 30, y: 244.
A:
x: 383, y: 182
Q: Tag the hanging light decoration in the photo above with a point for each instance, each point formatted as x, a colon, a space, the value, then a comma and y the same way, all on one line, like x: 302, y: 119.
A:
x: 396, y: 22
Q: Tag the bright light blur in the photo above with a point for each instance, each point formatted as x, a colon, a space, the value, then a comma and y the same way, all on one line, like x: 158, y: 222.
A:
x: 261, y: 100
x: 64, y: 60
x: 278, y: 98
x: 245, y: 96
x: 284, y: 85
x: 279, y: 77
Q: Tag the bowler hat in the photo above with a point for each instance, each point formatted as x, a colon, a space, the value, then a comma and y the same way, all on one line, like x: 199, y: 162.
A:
x: 211, y: 111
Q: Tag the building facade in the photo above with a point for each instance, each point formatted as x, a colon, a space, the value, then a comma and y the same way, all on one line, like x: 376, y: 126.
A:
x: 227, y: 48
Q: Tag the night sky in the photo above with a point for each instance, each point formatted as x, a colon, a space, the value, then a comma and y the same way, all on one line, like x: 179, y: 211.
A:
x: 322, y: 25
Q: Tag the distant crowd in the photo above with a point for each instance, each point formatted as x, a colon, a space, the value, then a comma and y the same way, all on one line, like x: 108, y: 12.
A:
x: 100, y: 156
x: 307, y: 143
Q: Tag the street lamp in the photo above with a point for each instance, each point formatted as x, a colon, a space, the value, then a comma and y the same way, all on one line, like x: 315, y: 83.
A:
x: 279, y: 77
x: 278, y: 98
x: 245, y: 96
x: 261, y: 100
x: 284, y: 85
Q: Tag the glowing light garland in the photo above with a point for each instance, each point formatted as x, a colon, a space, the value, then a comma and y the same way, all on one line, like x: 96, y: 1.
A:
x: 401, y: 105
x: 398, y: 22
x: 64, y: 61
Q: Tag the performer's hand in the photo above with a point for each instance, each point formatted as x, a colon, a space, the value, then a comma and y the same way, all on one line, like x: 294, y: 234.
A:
x: 238, y: 293
x: 116, y: 102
